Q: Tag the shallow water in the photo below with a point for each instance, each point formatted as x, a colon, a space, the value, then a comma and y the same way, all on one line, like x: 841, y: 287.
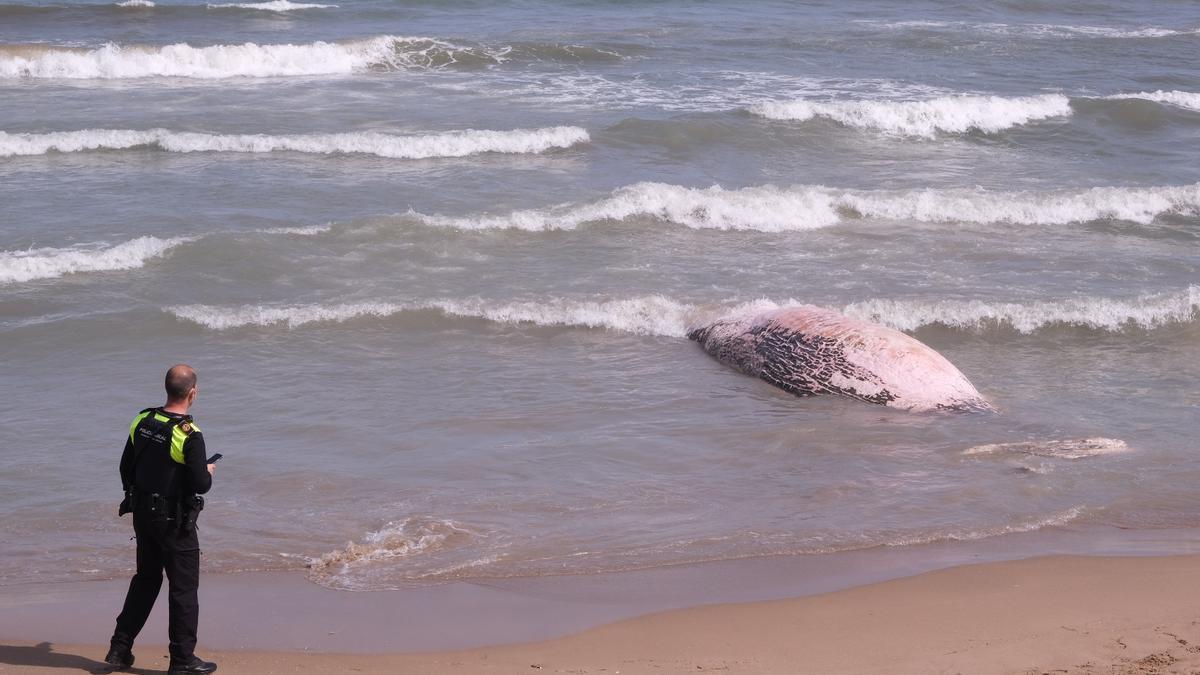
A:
x: 434, y: 353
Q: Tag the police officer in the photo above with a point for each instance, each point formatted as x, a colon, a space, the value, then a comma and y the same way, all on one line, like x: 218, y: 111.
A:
x: 163, y: 470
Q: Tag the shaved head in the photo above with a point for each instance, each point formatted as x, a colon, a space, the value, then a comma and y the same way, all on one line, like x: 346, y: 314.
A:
x: 181, y: 379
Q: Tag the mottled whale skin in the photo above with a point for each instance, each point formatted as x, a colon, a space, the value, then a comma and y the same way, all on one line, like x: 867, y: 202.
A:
x: 811, y: 350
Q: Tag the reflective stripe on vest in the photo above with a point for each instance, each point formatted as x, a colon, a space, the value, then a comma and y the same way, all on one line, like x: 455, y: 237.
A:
x: 178, y: 436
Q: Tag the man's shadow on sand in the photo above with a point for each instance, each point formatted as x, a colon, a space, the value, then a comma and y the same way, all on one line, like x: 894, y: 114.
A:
x: 44, y: 656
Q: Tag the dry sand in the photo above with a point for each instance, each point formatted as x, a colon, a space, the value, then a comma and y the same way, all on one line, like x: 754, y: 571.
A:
x: 1046, y: 615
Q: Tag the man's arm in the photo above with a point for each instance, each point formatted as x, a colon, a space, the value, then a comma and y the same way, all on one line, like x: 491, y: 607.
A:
x: 194, y: 458
x: 127, y: 466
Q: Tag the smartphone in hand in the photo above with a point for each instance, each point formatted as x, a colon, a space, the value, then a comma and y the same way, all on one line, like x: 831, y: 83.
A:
x: 214, y: 458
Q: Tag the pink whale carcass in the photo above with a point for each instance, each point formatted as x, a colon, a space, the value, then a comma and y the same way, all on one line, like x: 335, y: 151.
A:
x: 811, y: 350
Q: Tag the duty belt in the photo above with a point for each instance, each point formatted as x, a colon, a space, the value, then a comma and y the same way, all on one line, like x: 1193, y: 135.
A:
x: 184, y: 510
x: 156, y: 504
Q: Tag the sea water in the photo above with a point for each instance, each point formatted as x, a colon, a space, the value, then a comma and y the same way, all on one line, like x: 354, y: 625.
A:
x: 435, y: 263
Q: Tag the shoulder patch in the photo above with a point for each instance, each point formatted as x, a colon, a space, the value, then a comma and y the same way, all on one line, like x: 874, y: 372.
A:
x: 185, y: 427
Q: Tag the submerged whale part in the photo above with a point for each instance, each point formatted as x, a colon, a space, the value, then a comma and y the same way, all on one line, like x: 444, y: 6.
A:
x: 811, y: 350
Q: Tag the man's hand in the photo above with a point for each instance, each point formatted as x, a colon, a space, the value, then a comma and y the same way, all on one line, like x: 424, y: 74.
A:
x: 211, y: 469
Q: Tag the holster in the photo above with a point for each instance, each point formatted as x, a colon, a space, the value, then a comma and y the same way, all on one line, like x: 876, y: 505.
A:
x: 189, y: 511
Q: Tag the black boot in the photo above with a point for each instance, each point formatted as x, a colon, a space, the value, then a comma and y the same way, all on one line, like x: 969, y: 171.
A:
x: 193, y: 665
x: 119, y: 657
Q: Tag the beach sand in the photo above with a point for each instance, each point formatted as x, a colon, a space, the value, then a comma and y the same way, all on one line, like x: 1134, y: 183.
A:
x: 1061, y: 614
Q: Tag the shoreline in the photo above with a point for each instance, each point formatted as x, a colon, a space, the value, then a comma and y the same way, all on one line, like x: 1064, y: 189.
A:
x: 283, y: 611
x: 1072, y: 614
x: 477, y: 612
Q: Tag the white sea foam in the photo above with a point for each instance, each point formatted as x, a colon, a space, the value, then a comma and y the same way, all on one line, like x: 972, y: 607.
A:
x: 114, y: 61
x: 271, y: 6
x: 1058, y: 31
x: 1183, y: 99
x: 1108, y: 314
x: 1027, y: 525
x: 662, y: 316
x: 48, y: 263
x: 649, y: 315
x: 767, y: 209
x: 135, y: 3
x: 409, y: 537
x: 947, y: 114
x: 447, y: 144
x: 302, y: 230
x: 1043, y: 30
x: 1078, y: 448
x: 772, y: 209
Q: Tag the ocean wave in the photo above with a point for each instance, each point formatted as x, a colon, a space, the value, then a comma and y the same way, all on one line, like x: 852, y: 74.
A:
x: 658, y: 315
x: 49, y: 263
x: 409, y: 537
x: 947, y: 114
x: 1059, y: 449
x: 772, y: 209
x: 1041, y: 30
x: 648, y: 315
x: 268, y: 6
x: 1182, y: 99
x: 1059, y: 31
x: 448, y: 144
x: 301, y: 230
x: 382, y: 53
x: 1108, y: 314
x: 766, y: 209
x: 271, y: 6
x: 1027, y: 525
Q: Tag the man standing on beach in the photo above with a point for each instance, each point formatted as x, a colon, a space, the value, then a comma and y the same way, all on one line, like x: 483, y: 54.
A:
x: 163, y: 470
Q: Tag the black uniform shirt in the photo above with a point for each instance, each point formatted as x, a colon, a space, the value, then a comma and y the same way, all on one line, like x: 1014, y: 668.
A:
x: 157, y: 472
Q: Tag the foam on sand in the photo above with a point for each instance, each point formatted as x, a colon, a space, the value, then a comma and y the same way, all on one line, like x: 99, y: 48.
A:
x: 447, y: 144
x: 773, y: 209
x: 48, y: 263
x: 947, y: 114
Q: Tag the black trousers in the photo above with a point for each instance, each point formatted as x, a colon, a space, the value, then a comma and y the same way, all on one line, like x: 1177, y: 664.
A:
x: 163, y: 546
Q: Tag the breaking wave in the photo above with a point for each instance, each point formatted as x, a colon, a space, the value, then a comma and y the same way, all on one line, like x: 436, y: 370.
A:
x: 648, y: 315
x: 413, y: 547
x: 382, y: 53
x: 136, y: 3
x: 661, y: 316
x: 1107, y: 314
x: 49, y: 263
x: 772, y: 209
x: 1041, y: 30
x: 1061, y: 449
x: 1182, y: 99
x: 767, y: 209
x: 947, y: 114
x: 449, y: 144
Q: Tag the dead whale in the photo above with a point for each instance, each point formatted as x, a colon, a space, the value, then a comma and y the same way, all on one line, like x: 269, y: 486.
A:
x: 810, y: 350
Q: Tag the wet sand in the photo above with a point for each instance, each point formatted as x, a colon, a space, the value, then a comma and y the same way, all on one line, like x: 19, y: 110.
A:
x: 1053, y: 614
